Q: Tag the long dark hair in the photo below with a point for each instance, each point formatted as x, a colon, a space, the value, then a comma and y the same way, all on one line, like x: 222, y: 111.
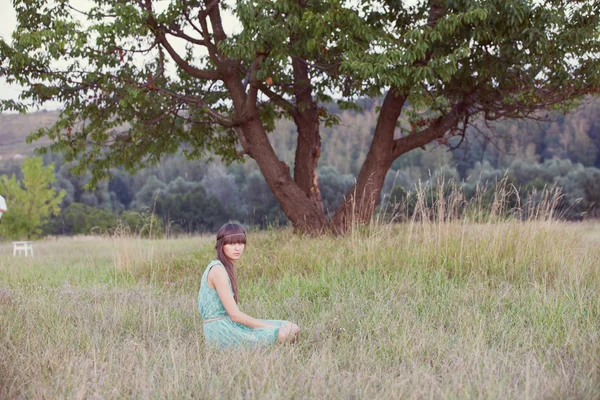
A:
x: 229, y: 234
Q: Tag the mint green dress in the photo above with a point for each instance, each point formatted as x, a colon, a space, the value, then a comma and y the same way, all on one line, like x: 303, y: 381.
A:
x: 224, y: 332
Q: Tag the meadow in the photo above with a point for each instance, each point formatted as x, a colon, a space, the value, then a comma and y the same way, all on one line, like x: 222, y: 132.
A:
x: 450, y: 309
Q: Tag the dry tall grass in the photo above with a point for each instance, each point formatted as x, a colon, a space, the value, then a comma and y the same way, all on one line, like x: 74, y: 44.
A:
x: 440, y: 308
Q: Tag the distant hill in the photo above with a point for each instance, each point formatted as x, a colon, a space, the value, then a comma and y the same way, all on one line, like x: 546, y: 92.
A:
x: 349, y: 139
x: 14, y: 129
x: 574, y: 136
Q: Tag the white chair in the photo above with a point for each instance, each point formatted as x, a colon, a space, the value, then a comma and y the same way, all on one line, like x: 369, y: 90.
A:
x: 22, y: 247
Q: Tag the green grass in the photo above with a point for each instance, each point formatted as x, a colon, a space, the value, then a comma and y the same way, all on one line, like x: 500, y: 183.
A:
x: 434, y: 310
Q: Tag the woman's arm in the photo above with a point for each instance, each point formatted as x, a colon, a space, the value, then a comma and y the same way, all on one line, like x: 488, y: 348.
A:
x: 220, y: 280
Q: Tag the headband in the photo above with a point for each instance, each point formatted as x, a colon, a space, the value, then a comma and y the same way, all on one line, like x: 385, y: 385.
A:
x: 233, y: 234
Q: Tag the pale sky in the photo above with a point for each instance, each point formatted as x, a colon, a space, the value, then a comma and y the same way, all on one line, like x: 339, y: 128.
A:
x: 8, y: 20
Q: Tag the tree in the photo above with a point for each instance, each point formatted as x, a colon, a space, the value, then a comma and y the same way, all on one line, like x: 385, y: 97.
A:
x: 79, y: 219
x: 218, y: 183
x: 148, y: 194
x: 333, y: 186
x: 120, y: 185
x: 31, y: 202
x: 440, y: 64
x: 262, y: 208
x: 190, y: 209
x: 582, y: 190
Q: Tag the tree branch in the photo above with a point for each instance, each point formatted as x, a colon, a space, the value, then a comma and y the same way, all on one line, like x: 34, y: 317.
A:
x: 186, y: 15
x: 254, y: 87
x: 159, y: 32
x: 278, y: 99
x: 184, y: 65
x: 244, y: 142
x: 218, y: 118
x: 434, y: 131
x: 211, y: 47
x: 213, y: 12
x: 177, y: 32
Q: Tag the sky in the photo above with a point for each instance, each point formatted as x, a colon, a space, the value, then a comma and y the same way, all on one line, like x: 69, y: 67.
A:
x: 8, y: 20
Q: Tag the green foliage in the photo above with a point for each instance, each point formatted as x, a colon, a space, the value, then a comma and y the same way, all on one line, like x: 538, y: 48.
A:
x: 148, y: 194
x: 505, y: 59
x: 578, y: 184
x: 262, y: 209
x: 398, y: 194
x: 183, y: 206
x: 31, y: 201
x: 144, y: 223
x: 582, y: 190
x: 191, y: 210
x: 333, y: 187
x: 79, y: 218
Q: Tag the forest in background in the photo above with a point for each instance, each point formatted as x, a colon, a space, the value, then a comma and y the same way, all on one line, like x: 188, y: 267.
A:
x: 192, y: 196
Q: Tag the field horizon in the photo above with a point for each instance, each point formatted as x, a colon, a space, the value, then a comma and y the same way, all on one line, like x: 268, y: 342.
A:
x: 413, y: 310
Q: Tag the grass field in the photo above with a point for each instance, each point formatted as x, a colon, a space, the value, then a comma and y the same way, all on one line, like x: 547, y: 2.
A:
x: 415, y: 310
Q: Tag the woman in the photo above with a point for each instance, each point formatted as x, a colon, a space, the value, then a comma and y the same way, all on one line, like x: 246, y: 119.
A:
x: 224, y: 324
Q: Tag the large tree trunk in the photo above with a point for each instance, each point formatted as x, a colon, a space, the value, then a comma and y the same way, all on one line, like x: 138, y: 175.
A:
x: 359, y: 202
x: 308, y: 147
x: 361, y: 199
x: 304, y: 215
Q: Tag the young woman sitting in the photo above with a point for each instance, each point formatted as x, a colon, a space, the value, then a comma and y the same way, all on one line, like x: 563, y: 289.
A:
x: 224, y: 324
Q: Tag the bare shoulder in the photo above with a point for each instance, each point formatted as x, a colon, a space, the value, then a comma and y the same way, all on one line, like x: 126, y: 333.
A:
x: 217, y: 273
x: 217, y: 269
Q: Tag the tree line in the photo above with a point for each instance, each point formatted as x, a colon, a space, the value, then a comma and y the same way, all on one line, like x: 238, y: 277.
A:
x: 195, y: 196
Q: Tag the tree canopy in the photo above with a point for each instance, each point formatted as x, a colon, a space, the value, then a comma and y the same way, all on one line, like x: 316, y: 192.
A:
x: 140, y: 79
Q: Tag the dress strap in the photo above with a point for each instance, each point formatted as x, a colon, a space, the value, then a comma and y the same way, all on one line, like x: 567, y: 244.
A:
x: 213, y: 263
x: 210, y: 265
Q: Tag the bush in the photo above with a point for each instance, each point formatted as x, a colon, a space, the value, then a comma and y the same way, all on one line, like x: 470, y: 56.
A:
x: 79, y: 219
